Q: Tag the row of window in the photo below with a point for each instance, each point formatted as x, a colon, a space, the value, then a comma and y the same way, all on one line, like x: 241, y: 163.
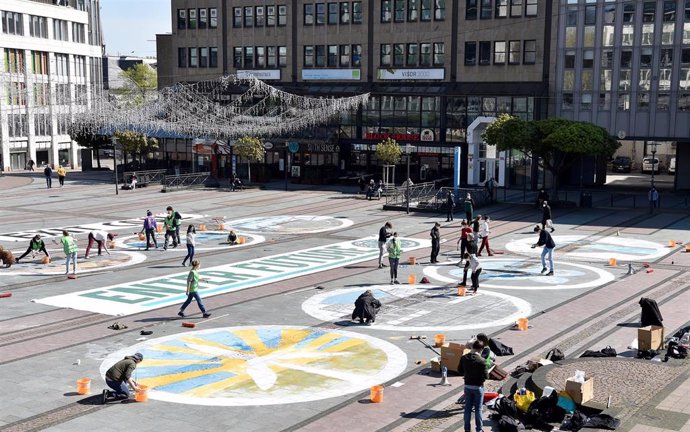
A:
x: 201, y: 18
x: 626, y: 58
x: 412, y: 10
x: 13, y: 23
x: 18, y: 125
x: 624, y: 102
x: 17, y: 94
x: 412, y: 54
x: 513, y: 52
x: 259, y: 57
x: 259, y: 16
x: 486, y: 9
x: 332, y: 56
x: 204, y: 57
x: 648, y: 12
x: 14, y: 63
x: 315, y: 13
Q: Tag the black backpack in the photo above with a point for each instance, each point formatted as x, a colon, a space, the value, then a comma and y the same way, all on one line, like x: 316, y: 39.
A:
x: 590, y: 353
x: 509, y: 424
x: 555, y: 355
x: 609, y: 351
x: 505, y: 406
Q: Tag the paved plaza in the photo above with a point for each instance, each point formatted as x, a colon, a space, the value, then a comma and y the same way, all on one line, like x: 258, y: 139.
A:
x: 279, y: 352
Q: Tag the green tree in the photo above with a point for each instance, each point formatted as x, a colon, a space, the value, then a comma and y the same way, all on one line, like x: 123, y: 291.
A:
x: 141, y: 79
x: 90, y: 141
x: 556, y: 142
x: 388, y: 151
x: 135, y: 144
x: 251, y: 149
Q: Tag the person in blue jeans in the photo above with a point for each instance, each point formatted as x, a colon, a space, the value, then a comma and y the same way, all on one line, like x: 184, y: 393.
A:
x: 119, y: 378
x: 192, y: 291
x: 191, y: 243
x: 474, y: 370
x: 545, y: 240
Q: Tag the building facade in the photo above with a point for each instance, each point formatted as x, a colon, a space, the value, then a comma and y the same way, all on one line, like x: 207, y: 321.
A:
x: 431, y: 66
x: 51, y: 66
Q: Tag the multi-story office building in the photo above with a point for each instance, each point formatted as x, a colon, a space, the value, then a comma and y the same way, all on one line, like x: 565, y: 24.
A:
x: 51, y: 65
x: 432, y: 67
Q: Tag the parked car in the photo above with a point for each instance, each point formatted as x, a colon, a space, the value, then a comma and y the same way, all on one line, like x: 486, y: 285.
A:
x: 649, y: 163
x: 672, y: 166
x: 621, y: 164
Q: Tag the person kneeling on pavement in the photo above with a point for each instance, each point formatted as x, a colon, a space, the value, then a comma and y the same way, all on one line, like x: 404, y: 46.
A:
x: 366, y: 308
x: 119, y: 376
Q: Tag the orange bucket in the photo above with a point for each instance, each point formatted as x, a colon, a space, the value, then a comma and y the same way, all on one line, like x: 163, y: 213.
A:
x: 613, y: 262
x: 142, y: 237
x: 159, y: 228
x: 671, y: 243
x: 411, y: 279
x: 221, y: 227
x: 84, y: 386
x: 241, y: 240
x: 687, y: 248
x: 461, y: 290
x: 45, y: 260
x: 202, y: 227
x: 376, y: 394
x: 523, y: 324
x: 439, y: 340
x: 412, y: 261
x: 143, y: 394
x: 111, y: 245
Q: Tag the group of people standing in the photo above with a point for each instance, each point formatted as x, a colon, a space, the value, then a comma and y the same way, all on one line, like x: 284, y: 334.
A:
x: 48, y: 173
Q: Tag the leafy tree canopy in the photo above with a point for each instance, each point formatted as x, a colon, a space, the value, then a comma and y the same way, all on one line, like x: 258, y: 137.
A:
x: 136, y: 143
x: 250, y: 148
x: 388, y: 151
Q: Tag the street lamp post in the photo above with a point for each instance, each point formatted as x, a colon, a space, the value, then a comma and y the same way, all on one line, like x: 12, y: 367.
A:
x: 114, y: 141
x: 408, y: 152
x: 652, y: 202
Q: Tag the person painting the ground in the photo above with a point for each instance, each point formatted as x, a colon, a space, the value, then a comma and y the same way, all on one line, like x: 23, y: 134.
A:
x: 100, y: 238
x: 435, y: 242
x: 232, y: 237
x: 484, y: 232
x: 471, y: 250
x: 469, y: 207
x: 192, y: 291
x: 545, y: 240
x: 384, y: 234
x: 394, y: 252
x: 61, y: 173
x: 35, y: 245
x: 69, y: 246
x: 171, y: 226
x: 366, y: 308
x: 150, y: 227
x: 474, y: 370
x: 476, y: 268
x: 119, y: 378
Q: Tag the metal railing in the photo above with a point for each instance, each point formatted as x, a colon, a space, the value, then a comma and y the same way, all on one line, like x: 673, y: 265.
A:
x: 419, y: 193
x: 185, y: 180
x: 144, y: 177
x: 480, y: 196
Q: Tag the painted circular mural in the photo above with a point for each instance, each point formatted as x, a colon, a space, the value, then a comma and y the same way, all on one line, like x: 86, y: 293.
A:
x: 205, y: 241
x: 289, y: 224
x: 585, y: 247
x: 116, y: 259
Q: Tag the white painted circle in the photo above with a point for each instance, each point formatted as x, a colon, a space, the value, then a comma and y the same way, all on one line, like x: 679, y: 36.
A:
x: 304, y: 224
x: 117, y: 259
x: 337, y: 305
x: 499, y: 273
x: 261, y: 365
x: 583, y: 247
x: 217, y: 240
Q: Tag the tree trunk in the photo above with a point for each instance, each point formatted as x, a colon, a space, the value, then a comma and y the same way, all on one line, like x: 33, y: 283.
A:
x: 98, y: 156
x: 249, y: 171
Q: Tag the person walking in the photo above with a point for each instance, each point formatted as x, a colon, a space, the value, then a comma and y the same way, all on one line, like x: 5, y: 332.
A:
x: 31, y: 164
x: 394, y: 252
x: 450, y: 206
x: 192, y: 291
x: 69, y: 246
x: 435, y: 242
x: 546, y: 218
x: 191, y: 242
x: 476, y: 222
x: 366, y: 308
x: 177, y: 222
x: 48, y: 173
x: 119, y: 378
x: 541, y: 197
x: 384, y: 234
x: 545, y: 240
x: 100, y: 238
x: 61, y: 173
x: 35, y: 245
x: 150, y: 227
x: 653, y: 197
x: 469, y: 207
x: 484, y: 232
x: 475, y: 373
x: 463, y: 242
x: 476, y: 268
x: 171, y: 228
x: 490, y: 187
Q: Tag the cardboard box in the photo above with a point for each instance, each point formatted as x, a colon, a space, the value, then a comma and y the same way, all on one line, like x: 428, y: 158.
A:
x: 580, y: 392
x: 450, y: 355
x: 435, y: 365
x: 650, y: 338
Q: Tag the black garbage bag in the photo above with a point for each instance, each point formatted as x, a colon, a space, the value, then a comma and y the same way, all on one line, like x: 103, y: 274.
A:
x: 602, y: 421
x: 499, y: 349
x: 575, y: 422
x: 555, y: 355
x: 543, y: 411
x: 651, y: 315
x: 505, y: 406
x: 590, y: 353
x: 646, y: 354
x: 509, y: 424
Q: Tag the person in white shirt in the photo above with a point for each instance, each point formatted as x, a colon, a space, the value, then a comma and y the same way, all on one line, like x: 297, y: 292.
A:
x: 484, y: 235
x: 191, y: 243
x: 476, y: 268
x: 99, y: 237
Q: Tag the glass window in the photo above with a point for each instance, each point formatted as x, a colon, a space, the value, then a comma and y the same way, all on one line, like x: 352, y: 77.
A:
x: 590, y: 35
x: 570, y: 37
x: 484, y: 52
x: 669, y: 11
x: 667, y: 33
x: 471, y: 9
x: 628, y: 12
x: 249, y: 57
x: 486, y: 9
x: 571, y: 16
x: 568, y: 80
x: 586, y: 101
x: 530, y: 52
x: 386, y: 11
x: 412, y: 10
x: 567, y: 101
x: 587, y: 78
x: 399, y: 11
x: 398, y: 54
x: 333, y: 13
x: 282, y: 15
x: 237, y: 57
x: 282, y: 56
x: 531, y: 8
x: 237, y: 17
x: 570, y: 59
x: 181, y: 19
x: 344, y: 13
x: 663, y: 101
x: 664, y: 79
x: 271, y: 56
x: 182, y: 57
x: 623, y: 102
x: 604, y: 101
x: 514, y: 52
x: 684, y: 79
x: 588, y: 59
x: 590, y: 15
x: 501, y: 8
x: 411, y: 55
x: 609, y: 13
x: 191, y: 24
x: 439, y: 10
x: 425, y: 14
x: 386, y: 51
x: 60, y: 30
x: 645, y: 57
x: 645, y: 80
x: 357, y: 15
x: 320, y: 56
x: 203, y: 57
x: 260, y: 19
x: 193, y: 58
x: 606, y: 80
x: 607, y: 35
x: 38, y: 26
x: 685, y: 56
x: 607, y: 58
x: 248, y: 16
x: 356, y: 55
x: 425, y: 54
x: 320, y: 13
x: 499, y: 52
x: 308, y: 14
x: 643, y: 101
x: 628, y: 35
x: 666, y: 58
x: 344, y: 55
x: 515, y: 8
x: 470, y: 53
x: 684, y: 102
x: 260, y: 57
x: 270, y: 16
x: 203, y: 18
x: 648, y: 11
x: 439, y: 54
x: 332, y: 60
x: 624, y: 80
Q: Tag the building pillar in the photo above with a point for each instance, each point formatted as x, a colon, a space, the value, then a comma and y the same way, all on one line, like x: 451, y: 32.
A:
x: 74, y: 154
x: 682, y: 160
x: 4, y: 144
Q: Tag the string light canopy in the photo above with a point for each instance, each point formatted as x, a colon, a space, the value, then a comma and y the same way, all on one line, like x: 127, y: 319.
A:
x: 206, y: 109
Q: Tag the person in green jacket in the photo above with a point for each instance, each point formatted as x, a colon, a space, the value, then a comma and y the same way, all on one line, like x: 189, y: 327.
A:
x: 192, y: 291
x: 119, y: 376
x: 35, y: 245
x: 171, y: 226
x: 69, y: 246
x: 394, y: 252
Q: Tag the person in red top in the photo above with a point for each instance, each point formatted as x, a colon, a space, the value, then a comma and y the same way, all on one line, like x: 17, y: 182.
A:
x: 463, y: 242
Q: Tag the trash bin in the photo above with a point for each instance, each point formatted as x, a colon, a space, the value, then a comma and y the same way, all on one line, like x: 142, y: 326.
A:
x: 586, y: 200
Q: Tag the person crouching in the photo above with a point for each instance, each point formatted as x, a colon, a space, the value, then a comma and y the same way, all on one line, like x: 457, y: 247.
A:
x: 366, y: 308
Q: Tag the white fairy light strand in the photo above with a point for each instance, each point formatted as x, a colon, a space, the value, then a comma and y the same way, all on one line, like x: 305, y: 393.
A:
x: 202, y: 110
